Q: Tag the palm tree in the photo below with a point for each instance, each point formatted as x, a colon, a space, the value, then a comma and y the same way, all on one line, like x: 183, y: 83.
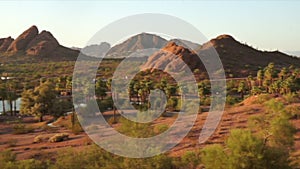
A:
x: 3, y: 95
x: 242, y: 88
x: 283, y: 73
x: 11, y: 95
x: 249, y: 81
x: 260, y: 77
x: 270, y: 72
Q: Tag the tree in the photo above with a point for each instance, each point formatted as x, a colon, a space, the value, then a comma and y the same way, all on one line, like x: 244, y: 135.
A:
x: 250, y: 82
x: 283, y: 73
x: 68, y: 83
x: 242, y: 88
x: 100, y: 89
x: 244, y: 150
x: 266, y: 144
x: 39, y: 101
x: 12, y: 95
x: 260, y: 77
x: 3, y: 95
x: 213, y: 157
x: 270, y: 72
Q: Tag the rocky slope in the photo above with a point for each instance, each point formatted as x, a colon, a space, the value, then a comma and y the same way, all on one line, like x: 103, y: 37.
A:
x: 96, y: 50
x: 238, y: 59
x: 137, y: 42
x: 5, y: 43
x: 33, y: 43
x: 170, y: 58
x: 237, y: 55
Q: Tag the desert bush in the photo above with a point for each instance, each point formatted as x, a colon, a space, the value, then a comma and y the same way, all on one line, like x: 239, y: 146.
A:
x: 189, y: 160
x: 31, y: 164
x: 291, y: 98
x: 293, y: 111
x: 160, y: 128
x: 7, y: 158
x: 262, y: 98
x: 231, y: 100
x: 21, y: 129
x: 40, y: 138
x: 59, y: 137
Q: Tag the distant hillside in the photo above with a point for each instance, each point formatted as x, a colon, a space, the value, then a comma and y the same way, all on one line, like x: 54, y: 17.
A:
x: 293, y: 53
x: 96, y: 50
x: 186, y: 44
x: 238, y: 59
x: 35, y: 44
x: 137, y: 42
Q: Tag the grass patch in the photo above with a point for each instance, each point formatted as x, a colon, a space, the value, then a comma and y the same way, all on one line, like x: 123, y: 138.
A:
x: 21, y: 129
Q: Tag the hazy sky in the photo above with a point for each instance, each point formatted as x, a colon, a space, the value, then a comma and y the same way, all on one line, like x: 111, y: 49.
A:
x: 268, y: 25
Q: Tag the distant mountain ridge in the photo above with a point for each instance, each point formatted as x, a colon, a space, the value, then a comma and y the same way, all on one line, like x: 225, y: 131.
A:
x: 96, y: 50
x: 237, y: 58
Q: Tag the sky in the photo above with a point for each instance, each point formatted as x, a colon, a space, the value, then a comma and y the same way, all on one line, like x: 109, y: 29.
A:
x: 266, y: 25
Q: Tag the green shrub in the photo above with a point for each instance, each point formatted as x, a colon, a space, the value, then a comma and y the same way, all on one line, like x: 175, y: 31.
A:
x: 262, y: 98
x: 231, y: 100
x: 31, y: 164
x: 291, y: 98
x: 7, y: 156
x: 160, y: 128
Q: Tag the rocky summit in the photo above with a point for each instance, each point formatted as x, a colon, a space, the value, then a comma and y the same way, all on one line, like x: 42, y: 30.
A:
x: 33, y: 43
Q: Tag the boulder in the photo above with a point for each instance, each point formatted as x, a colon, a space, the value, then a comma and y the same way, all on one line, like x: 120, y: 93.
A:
x: 22, y: 41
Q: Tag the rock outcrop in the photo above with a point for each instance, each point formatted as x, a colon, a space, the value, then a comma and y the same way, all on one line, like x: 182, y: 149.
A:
x: 135, y: 43
x: 5, y: 43
x: 33, y: 43
x: 42, y: 45
x: 170, y: 58
x: 238, y: 59
x: 23, y: 40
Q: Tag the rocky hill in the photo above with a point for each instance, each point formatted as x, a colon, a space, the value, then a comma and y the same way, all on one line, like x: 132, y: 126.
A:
x: 137, y: 42
x: 186, y: 44
x: 238, y: 59
x: 237, y: 55
x: 96, y: 50
x: 33, y: 43
x: 169, y: 59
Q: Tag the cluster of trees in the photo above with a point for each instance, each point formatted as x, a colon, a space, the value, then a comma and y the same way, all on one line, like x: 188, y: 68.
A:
x: 9, y: 91
x: 43, y: 100
x: 270, y: 80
